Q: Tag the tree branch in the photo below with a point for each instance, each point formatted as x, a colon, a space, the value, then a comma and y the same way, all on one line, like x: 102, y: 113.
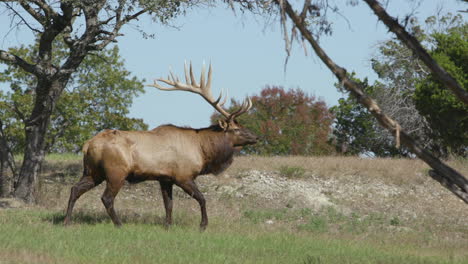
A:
x: 56, y: 24
x: 48, y: 10
x: 18, y: 61
x: 22, y: 18
x: 36, y: 15
x: 115, y: 32
x: 454, y: 177
x: 413, y: 44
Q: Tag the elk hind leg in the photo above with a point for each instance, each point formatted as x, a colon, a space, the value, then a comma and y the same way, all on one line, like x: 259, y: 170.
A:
x: 85, y: 184
x: 166, y: 191
x: 191, y: 189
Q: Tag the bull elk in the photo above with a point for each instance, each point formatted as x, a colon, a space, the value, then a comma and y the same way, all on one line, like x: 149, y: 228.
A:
x: 168, y: 154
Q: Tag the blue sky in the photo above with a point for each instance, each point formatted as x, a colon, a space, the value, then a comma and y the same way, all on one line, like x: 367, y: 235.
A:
x: 246, y: 54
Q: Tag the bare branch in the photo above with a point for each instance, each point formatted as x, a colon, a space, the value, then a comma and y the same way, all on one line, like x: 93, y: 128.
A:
x: 112, y: 35
x: 36, y: 15
x: 305, y: 9
x: 22, y: 18
x: 449, y: 184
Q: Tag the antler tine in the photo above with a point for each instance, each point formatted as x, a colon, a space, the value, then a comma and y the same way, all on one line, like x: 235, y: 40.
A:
x: 246, y: 105
x: 218, y: 106
x: 187, y: 77
x: 202, y: 79
x: 173, y: 77
x: 192, y: 78
x: 219, y: 98
x: 156, y: 84
x: 250, y: 104
x: 206, y: 86
x: 208, y: 82
x: 225, y: 98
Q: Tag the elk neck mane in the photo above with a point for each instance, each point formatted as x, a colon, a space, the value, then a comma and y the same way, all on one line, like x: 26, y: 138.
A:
x: 217, y: 150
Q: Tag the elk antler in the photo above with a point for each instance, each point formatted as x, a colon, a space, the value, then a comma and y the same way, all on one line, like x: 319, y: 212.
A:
x: 203, y: 89
x: 246, y: 105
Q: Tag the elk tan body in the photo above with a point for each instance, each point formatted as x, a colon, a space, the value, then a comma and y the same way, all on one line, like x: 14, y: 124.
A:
x: 168, y: 154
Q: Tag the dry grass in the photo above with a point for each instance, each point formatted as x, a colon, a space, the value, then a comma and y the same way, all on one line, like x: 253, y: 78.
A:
x: 397, y: 171
x: 25, y: 257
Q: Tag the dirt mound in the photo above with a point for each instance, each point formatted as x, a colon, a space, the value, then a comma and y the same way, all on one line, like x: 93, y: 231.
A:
x: 268, y: 186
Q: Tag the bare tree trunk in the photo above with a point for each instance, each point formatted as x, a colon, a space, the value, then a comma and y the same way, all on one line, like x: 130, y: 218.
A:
x: 413, y: 44
x: 36, y: 130
x: 26, y: 187
x: 447, y: 176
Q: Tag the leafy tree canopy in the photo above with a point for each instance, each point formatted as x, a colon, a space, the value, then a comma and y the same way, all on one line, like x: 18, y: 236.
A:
x: 356, y: 132
x: 399, y: 93
x: 97, y: 97
x: 288, y: 122
x: 447, y: 116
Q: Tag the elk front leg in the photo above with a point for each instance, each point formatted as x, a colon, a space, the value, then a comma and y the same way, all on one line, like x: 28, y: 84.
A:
x: 166, y: 191
x: 191, y: 189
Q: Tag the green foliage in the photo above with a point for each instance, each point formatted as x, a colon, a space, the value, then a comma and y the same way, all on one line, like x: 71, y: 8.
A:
x: 292, y: 171
x: 395, y: 221
x: 447, y: 116
x: 97, y: 97
x: 355, y: 129
x: 288, y: 122
x: 409, y: 94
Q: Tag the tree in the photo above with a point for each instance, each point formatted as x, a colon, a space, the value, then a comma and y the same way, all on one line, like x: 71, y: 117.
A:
x: 444, y: 174
x: 447, y: 116
x: 289, y: 122
x: 302, y: 30
x: 354, y: 130
x: 97, y: 97
x: 414, y: 44
x: 399, y: 72
x: 86, y: 26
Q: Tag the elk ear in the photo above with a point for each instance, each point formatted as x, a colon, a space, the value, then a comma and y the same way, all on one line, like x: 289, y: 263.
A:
x: 223, y: 124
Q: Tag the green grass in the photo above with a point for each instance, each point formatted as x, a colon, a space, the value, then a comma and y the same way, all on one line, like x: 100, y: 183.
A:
x: 328, y: 219
x: 246, y: 229
x: 57, y: 157
x: 37, y: 234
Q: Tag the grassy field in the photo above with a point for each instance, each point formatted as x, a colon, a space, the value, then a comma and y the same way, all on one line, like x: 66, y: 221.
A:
x: 376, y: 211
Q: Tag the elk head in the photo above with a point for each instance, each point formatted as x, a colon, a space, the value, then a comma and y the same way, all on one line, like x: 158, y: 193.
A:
x: 238, y: 135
